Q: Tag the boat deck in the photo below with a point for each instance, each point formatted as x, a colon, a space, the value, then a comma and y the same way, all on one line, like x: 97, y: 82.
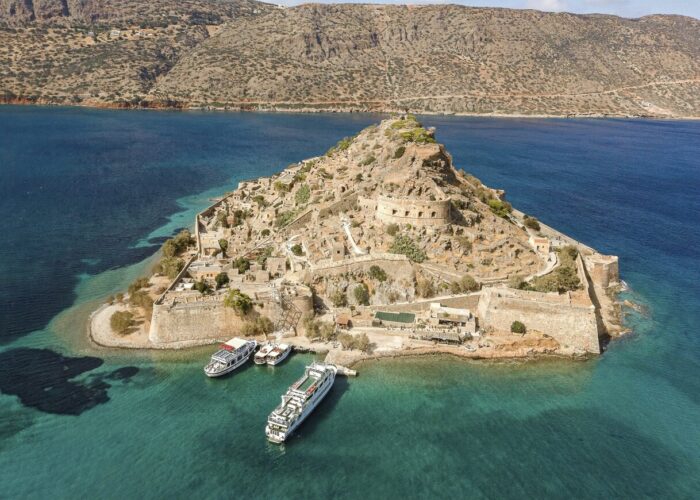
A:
x: 307, y: 383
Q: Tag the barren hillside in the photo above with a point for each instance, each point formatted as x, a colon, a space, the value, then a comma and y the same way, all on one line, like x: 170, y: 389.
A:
x: 441, y: 58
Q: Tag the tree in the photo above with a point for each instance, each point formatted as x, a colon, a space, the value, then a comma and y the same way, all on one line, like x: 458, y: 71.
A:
x: 202, y: 286
x: 531, y: 222
x: 392, y: 229
x: 327, y: 331
x: 361, y: 294
x: 169, y: 266
x: 469, y: 284
x: 239, y: 302
x: 242, y: 264
x: 297, y: 250
x: 138, y: 285
x: 223, y: 244
x: 518, y: 327
x: 377, y: 273
x: 121, y: 322
x: 339, y: 299
x: 221, y: 279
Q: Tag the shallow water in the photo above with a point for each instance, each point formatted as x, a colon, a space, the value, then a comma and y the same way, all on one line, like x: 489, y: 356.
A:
x: 83, y: 193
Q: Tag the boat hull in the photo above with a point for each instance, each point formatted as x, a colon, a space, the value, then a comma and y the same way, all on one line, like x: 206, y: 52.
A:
x: 318, y: 397
x: 228, y: 369
x: 278, y: 360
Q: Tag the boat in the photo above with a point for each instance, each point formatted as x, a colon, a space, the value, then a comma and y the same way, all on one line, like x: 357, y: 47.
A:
x: 299, y: 401
x: 260, y: 357
x: 231, y: 354
x: 278, y: 354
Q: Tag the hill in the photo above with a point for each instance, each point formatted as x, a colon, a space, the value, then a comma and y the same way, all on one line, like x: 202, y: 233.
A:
x: 438, y: 58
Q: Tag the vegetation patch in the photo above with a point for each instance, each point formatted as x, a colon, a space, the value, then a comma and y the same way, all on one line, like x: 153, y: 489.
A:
x: 404, y: 245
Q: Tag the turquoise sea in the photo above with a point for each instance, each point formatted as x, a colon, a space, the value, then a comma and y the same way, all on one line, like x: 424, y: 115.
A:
x: 86, y: 196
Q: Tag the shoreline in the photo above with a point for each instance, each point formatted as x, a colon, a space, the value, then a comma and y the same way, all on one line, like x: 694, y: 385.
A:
x: 335, y: 110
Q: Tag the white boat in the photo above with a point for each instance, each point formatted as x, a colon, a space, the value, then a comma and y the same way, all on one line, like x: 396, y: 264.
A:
x: 232, y: 354
x: 260, y: 357
x: 299, y: 401
x: 278, y: 354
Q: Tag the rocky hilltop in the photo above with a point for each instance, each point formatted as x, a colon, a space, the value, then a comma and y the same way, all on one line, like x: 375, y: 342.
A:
x: 384, y: 236
x: 437, y: 58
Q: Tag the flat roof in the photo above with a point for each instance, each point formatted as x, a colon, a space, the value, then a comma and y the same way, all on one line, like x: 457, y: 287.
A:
x: 397, y: 317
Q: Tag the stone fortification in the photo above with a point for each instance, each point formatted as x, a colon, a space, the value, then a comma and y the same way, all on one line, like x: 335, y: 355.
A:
x: 411, y: 211
x: 571, y: 324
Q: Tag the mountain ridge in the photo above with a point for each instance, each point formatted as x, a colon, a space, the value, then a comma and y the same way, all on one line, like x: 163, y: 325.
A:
x: 366, y: 57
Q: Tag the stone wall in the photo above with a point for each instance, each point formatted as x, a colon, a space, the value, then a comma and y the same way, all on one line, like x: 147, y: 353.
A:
x: 574, y: 326
x: 395, y: 265
x: 415, y: 212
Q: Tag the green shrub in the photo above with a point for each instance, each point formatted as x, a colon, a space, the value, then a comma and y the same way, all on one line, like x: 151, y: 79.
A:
x: 202, y: 286
x: 239, y: 302
x: 361, y: 294
x: 339, y: 299
x: 138, y: 285
x: 417, y: 135
x: 399, y: 152
x: 500, y: 207
x: 260, y: 200
x: 297, y: 250
x: 347, y: 341
x: 303, y: 194
x: 281, y: 187
x: 531, y: 222
x: 377, y: 273
x: 178, y: 244
x: 562, y: 279
x: 221, y: 280
x: 392, y: 229
x: 141, y: 299
x: 223, y: 245
x: 242, y: 264
x: 285, y: 218
x: 518, y: 327
x: 121, y: 322
x: 342, y: 145
x: 404, y: 245
x: 265, y: 232
x: 368, y: 161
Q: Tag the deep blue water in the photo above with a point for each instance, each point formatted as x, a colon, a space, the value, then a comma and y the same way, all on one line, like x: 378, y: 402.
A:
x: 82, y: 192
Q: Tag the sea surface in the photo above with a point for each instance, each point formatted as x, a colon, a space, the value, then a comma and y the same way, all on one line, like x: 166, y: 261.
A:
x: 86, y: 197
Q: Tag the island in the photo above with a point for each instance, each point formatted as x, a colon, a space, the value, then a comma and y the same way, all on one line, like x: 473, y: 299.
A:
x: 380, y: 247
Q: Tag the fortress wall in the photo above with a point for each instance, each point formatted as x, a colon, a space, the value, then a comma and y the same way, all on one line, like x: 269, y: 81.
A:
x: 397, y: 266
x: 573, y: 326
x: 416, y: 212
x: 603, y: 269
x: 463, y: 301
x: 197, y: 323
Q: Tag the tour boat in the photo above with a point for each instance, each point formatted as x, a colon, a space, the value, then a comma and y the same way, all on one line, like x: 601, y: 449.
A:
x: 299, y: 401
x: 260, y: 357
x: 278, y: 354
x: 231, y: 354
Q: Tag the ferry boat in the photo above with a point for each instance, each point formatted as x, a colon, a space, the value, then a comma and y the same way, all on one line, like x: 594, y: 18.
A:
x: 299, y: 401
x: 231, y: 354
x: 278, y: 354
x: 260, y: 357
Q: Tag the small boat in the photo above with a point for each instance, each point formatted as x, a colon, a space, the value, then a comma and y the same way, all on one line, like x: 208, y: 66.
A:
x: 260, y: 357
x: 278, y: 354
x: 299, y: 401
x: 231, y: 354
